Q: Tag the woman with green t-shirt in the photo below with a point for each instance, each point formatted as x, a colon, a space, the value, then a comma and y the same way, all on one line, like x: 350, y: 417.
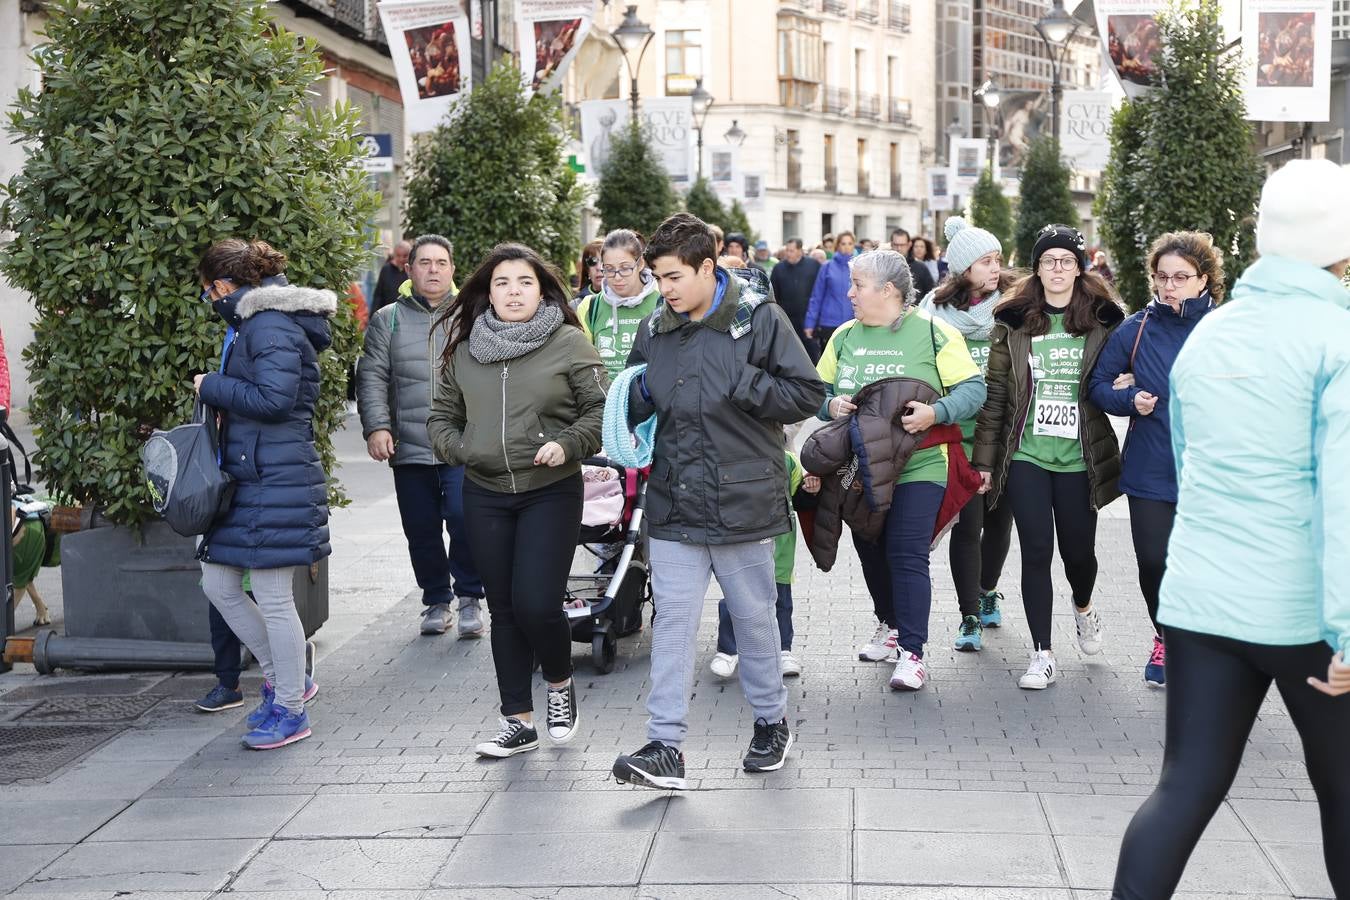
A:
x: 980, y: 539
x: 1041, y: 442
x: 891, y: 339
x: 627, y: 295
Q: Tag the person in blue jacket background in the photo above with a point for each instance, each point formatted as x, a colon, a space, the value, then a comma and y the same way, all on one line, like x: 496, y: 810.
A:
x: 1130, y: 379
x: 829, y: 306
x: 1257, y: 588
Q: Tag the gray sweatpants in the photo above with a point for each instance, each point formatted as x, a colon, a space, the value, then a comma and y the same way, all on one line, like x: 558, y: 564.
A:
x: 270, y: 628
x: 680, y: 574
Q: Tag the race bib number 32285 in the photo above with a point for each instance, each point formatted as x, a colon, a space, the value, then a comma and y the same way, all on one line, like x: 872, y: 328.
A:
x: 1056, y: 412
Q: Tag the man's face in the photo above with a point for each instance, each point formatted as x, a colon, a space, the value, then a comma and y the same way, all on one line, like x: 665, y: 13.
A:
x: 900, y: 243
x: 793, y: 254
x: 686, y: 289
x: 735, y: 248
x: 432, y: 272
x: 762, y: 254
x: 401, y: 251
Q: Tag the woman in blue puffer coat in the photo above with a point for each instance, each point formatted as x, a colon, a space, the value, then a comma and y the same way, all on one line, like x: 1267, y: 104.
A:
x: 277, y: 520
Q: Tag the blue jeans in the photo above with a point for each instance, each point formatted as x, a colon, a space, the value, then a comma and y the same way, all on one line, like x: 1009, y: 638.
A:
x: 431, y: 502
x: 227, y: 648
x: 896, y: 567
x: 726, y: 636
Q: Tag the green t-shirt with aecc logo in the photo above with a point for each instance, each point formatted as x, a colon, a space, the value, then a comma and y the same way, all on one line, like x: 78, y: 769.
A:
x: 1051, y: 437
x: 979, y: 354
x: 612, y: 330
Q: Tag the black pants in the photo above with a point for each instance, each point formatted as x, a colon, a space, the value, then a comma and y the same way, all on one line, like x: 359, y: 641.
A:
x: 522, y: 545
x: 1045, y: 505
x: 1151, y: 527
x: 431, y: 503
x: 979, y: 547
x: 1215, y: 687
x: 229, y: 652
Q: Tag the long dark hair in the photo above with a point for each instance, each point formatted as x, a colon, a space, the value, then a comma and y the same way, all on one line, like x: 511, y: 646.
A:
x: 474, y: 299
x: 1091, y: 294
x: 957, y: 291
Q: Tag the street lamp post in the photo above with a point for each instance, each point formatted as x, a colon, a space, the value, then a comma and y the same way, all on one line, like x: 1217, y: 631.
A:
x: 1056, y: 28
x: 633, y: 35
x: 701, y: 101
x: 991, y: 97
x: 735, y: 134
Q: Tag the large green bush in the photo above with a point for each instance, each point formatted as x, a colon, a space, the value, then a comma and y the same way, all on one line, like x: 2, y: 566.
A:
x: 702, y: 201
x: 635, y: 190
x: 496, y: 170
x: 991, y: 209
x: 162, y: 126
x: 1044, y: 196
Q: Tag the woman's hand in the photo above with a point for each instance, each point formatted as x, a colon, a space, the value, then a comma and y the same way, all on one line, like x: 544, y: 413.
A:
x: 986, y: 483
x: 1144, y: 403
x: 197, y: 383
x: 1338, y: 678
x: 811, y: 484
x: 841, y: 406
x: 1123, y: 380
x: 551, y: 454
x: 921, y: 417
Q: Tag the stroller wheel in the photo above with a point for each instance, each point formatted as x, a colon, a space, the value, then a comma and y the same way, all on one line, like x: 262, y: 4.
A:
x: 604, y: 648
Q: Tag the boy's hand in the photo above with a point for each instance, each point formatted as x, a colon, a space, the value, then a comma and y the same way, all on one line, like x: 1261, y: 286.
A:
x: 811, y: 484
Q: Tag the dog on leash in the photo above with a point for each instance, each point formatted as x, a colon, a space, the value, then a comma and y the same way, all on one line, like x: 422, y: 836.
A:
x: 30, y: 548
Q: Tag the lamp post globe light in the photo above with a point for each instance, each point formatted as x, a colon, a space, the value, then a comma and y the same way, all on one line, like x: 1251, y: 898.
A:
x: 701, y: 101
x: 991, y: 97
x: 633, y: 36
x: 735, y: 134
x: 1056, y: 29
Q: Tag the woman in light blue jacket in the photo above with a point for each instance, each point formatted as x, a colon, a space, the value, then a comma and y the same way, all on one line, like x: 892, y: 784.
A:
x: 1257, y: 587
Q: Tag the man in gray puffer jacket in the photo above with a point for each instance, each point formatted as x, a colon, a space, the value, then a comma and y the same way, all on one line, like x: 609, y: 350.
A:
x: 394, y: 385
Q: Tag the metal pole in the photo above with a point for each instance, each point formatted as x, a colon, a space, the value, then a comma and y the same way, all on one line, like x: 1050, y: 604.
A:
x: 633, y: 97
x: 6, y: 502
x: 700, y: 152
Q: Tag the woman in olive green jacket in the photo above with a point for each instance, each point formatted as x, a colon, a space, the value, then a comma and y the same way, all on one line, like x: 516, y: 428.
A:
x: 519, y: 404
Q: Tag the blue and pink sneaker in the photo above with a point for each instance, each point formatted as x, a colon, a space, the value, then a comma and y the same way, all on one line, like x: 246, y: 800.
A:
x: 281, y: 727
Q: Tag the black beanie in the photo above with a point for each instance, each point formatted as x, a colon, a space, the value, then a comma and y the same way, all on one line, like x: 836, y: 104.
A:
x: 1061, y: 237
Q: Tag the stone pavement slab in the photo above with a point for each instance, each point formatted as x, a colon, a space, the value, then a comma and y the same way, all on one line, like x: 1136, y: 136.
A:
x: 385, y: 816
x: 746, y: 810
x: 344, y: 865
x: 580, y: 858
x: 145, y: 865
x: 743, y: 856
x: 53, y: 821
x: 1231, y: 867
x: 204, y: 819
x: 24, y: 861
x: 954, y: 811
x: 588, y: 811
x: 975, y: 860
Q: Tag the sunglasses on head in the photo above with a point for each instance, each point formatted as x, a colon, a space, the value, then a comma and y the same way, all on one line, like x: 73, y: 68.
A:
x: 590, y: 260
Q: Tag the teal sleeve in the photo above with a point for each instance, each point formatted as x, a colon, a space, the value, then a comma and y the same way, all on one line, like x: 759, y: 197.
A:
x: 962, y: 402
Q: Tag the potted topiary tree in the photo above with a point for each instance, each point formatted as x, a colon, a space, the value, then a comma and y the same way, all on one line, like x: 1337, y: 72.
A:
x: 161, y: 126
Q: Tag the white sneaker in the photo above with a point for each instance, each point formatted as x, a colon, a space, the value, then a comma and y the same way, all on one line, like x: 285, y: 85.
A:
x: 723, y: 665
x: 881, y: 646
x: 1090, y: 630
x: 1040, y: 672
x: 910, y: 673
x: 792, y: 667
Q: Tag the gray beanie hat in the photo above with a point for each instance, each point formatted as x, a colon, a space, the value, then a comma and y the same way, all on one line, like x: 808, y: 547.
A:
x: 966, y: 243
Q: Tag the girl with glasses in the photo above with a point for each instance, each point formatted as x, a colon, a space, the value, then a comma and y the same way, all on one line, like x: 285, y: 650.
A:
x: 628, y: 294
x: 1040, y: 443
x: 1131, y: 379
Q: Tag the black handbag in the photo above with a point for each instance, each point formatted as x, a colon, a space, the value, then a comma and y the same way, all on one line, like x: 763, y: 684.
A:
x: 182, y: 471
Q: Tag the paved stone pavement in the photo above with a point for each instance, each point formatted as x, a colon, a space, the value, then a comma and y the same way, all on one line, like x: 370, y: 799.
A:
x: 968, y: 789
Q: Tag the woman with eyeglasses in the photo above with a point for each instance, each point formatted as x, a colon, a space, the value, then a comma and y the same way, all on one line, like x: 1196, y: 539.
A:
x: 628, y: 294
x: 1041, y: 444
x: 589, y: 276
x: 1131, y: 379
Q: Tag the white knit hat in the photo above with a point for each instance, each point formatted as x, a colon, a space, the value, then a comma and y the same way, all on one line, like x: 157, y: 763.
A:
x: 966, y: 243
x: 1305, y: 213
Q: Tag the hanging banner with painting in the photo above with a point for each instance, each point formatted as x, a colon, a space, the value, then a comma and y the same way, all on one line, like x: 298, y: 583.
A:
x: 548, y: 35
x: 429, y: 44
x: 1129, y: 31
x: 970, y: 157
x: 1286, y: 54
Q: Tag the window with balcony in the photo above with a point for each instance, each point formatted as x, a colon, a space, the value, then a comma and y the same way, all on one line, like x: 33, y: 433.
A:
x: 684, y: 61
x: 897, y: 15
x: 801, y: 58
x: 868, y: 10
x: 838, y: 7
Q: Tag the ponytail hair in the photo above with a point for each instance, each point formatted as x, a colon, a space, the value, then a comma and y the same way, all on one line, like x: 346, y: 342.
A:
x: 240, y: 261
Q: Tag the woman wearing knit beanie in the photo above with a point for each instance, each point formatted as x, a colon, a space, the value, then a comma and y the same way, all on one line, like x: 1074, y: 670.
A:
x: 1040, y: 443
x: 966, y: 300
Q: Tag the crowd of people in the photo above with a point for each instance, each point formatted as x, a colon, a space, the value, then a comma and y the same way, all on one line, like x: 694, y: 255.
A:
x: 971, y: 409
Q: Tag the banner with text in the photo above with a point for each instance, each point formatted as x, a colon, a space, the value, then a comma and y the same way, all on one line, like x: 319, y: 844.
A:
x: 670, y: 120
x: 429, y: 43
x: 1286, y: 54
x: 549, y: 33
x: 970, y: 157
x: 1085, y: 129
x: 1129, y: 32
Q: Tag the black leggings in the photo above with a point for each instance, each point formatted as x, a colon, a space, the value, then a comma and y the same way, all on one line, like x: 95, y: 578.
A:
x: 1215, y: 687
x: 522, y: 546
x: 1151, y: 527
x: 1047, y: 504
x: 979, y: 547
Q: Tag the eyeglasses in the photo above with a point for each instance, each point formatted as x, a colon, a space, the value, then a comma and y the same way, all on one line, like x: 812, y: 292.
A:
x: 1051, y: 263
x: 1162, y: 280
x: 626, y: 270
x: 590, y: 261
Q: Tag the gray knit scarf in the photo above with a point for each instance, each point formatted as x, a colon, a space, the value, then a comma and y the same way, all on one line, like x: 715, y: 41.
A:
x: 976, y: 323
x: 494, y: 341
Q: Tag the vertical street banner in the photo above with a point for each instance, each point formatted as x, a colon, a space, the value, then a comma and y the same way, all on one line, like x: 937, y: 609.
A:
x: 548, y: 35
x: 669, y: 121
x: 970, y: 157
x: 429, y: 43
x: 753, y: 190
x: 1129, y: 31
x: 1085, y: 129
x: 724, y: 171
x: 939, y: 187
x: 1286, y: 54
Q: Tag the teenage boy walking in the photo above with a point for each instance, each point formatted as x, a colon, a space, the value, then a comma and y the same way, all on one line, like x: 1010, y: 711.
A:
x: 725, y: 373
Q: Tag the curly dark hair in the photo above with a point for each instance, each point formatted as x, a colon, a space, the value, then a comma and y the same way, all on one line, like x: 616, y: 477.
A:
x: 240, y: 261
x: 1197, y: 248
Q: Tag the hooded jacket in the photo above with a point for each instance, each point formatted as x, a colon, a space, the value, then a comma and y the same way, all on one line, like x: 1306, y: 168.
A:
x: 611, y: 322
x: 1260, y: 401
x: 266, y: 396
x: 1147, y: 466
x: 829, y: 306
x: 394, y: 379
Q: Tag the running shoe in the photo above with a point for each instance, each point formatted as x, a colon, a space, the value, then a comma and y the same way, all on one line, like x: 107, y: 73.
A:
x: 723, y: 665
x: 792, y: 667
x: 910, y: 673
x: 970, y: 636
x: 657, y: 766
x: 769, y: 747
x: 881, y: 646
x: 1090, y: 630
x: 221, y: 698
x: 990, y: 615
x: 1040, y: 672
x: 514, y: 737
x: 1155, y: 673
x: 269, y: 696
x: 281, y: 727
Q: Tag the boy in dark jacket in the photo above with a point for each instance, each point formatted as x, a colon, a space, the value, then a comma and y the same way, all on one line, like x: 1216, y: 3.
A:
x: 725, y: 373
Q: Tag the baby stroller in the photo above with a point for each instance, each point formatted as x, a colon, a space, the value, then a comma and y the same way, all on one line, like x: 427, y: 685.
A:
x: 605, y: 603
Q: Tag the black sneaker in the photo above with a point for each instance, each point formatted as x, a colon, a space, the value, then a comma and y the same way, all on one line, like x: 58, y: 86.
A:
x: 562, y: 712
x: 769, y: 747
x: 655, y: 766
x: 515, y: 737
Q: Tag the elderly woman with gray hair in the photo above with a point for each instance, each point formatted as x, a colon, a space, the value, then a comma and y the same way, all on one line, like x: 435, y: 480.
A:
x: 892, y: 339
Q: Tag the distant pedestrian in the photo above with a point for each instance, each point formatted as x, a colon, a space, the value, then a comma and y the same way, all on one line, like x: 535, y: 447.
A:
x: 589, y: 274
x: 763, y: 258
x: 829, y: 306
x: 392, y: 275
x: 1101, y: 267
x: 793, y: 280
x: 900, y: 241
x: 922, y: 265
x: 737, y: 245
x: 520, y: 403
x: 394, y: 398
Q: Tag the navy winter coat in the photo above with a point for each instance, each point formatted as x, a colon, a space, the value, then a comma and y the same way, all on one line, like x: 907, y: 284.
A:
x: 1148, y: 466
x: 266, y: 397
